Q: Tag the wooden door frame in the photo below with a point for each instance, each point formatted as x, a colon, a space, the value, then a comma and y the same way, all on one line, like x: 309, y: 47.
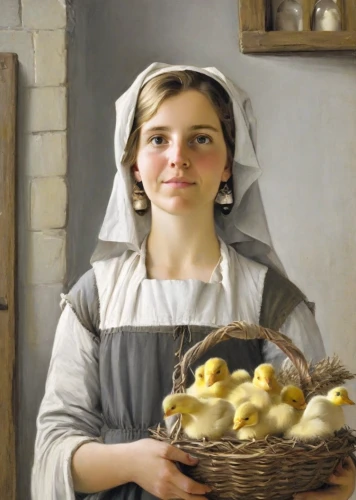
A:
x: 8, y: 101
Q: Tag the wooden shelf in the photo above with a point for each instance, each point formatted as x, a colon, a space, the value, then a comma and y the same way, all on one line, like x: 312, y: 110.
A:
x: 256, y: 37
x: 296, y: 41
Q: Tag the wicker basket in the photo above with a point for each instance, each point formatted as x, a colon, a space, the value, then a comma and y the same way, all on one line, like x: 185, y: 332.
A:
x: 273, y: 468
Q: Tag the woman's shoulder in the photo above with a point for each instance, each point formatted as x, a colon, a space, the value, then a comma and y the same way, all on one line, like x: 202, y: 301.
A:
x: 84, y: 296
x: 280, y: 296
x: 84, y: 301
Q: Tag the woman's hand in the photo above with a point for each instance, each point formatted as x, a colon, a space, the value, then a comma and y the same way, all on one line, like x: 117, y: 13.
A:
x: 342, y: 484
x: 155, y: 471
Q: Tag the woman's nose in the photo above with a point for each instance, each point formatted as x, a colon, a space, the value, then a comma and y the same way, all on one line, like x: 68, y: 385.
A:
x: 179, y: 156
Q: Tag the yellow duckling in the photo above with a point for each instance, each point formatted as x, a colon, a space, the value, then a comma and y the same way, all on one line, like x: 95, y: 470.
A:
x: 255, y: 421
x: 218, y: 377
x: 201, y: 418
x: 262, y: 392
x: 198, y: 387
x: 290, y: 410
x: 248, y: 392
x: 322, y: 416
x: 240, y: 376
x: 252, y: 423
x: 265, y: 378
x: 293, y: 396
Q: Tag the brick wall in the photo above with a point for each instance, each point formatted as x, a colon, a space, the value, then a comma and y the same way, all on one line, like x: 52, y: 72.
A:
x: 35, y: 30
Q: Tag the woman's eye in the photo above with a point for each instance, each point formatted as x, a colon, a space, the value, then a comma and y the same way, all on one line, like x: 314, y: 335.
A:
x: 157, y: 140
x: 203, y: 139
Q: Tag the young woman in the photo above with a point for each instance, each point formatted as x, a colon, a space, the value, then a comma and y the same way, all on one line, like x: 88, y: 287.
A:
x: 184, y: 248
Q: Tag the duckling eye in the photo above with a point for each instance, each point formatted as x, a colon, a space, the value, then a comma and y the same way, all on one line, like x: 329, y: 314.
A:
x: 247, y: 418
x: 200, y: 375
x: 294, y: 400
x: 218, y: 371
x: 338, y: 394
x: 258, y: 378
x: 173, y: 407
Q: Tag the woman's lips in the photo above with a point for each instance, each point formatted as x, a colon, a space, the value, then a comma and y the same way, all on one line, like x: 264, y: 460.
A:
x: 177, y: 184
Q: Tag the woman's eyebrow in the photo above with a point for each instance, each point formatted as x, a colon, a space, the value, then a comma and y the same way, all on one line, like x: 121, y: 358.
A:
x: 209, y: 127
x: 160, y: 128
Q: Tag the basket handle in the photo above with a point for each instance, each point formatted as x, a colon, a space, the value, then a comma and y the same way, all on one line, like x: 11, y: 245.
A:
x: 244, y: 331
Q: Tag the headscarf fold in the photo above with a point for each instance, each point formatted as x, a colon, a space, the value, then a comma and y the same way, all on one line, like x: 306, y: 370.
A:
x: 245, y: 228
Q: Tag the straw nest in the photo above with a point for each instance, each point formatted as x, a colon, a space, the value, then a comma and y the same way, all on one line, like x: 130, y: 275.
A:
x: 273, y: 468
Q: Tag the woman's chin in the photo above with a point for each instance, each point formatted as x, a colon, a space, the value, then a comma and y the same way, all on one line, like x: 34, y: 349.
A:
x: 179, y: 207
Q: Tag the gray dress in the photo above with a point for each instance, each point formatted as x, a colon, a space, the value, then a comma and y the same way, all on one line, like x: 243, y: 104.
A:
x: 114, y: 393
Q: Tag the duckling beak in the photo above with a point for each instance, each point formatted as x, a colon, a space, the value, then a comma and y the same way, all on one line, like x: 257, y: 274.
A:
x: 302, y: 406
x: 238, y: 424
x: 167, y: 414
x: 210, y: 381
x: 347, y: 401
x: 266, y: 384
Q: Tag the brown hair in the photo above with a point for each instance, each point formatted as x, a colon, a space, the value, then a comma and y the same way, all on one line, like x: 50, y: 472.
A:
x: 170, y: 84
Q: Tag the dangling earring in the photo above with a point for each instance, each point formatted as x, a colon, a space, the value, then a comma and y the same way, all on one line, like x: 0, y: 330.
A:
x: 140, y: 201
x: 225, y: 197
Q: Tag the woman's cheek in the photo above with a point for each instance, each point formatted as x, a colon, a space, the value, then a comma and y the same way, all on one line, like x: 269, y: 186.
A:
x: 151, y: 164
x: 211, y: 161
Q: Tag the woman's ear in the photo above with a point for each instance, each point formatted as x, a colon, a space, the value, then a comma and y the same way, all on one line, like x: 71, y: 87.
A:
x: 136, y: 173
x: 226, y: 173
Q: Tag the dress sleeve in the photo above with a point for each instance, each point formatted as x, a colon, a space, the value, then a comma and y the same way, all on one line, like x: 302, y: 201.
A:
x: 301, y: 327
x: 70, y: 412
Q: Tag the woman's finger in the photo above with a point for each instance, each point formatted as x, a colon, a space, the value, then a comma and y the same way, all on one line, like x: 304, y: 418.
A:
x: 185, y: 496
x: 340, y: 480
x: 181, y: 483
x: 339, y: 469
x: 176, y: 455
x: 190, y: 488
x: 341, y: 475
x: 349, y: 464
x: 332, y: 493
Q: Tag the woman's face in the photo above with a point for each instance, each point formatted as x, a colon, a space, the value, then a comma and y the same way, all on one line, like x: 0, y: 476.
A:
x: 182, y: 154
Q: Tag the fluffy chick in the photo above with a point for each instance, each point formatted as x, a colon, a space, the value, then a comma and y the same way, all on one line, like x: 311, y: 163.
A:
x: 265, y: 378
x: 201, y: 418
x: 293, y: 396
x: 240, y: 376
x: 290, y: 410
x: 255, y: 421
x: 248, y: 392
x: 252, y: 423
x: 322, y: 416
x: 218, y: 378
x: 198, y: 387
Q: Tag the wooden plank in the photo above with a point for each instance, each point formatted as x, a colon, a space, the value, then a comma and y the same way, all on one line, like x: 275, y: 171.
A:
x: 8, y: 91
x: 350, y: 15
x: 294, y: 41
x: 252, y: 15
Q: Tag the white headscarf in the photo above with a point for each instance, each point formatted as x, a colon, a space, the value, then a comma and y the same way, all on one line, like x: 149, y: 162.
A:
x: 245, y: 228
